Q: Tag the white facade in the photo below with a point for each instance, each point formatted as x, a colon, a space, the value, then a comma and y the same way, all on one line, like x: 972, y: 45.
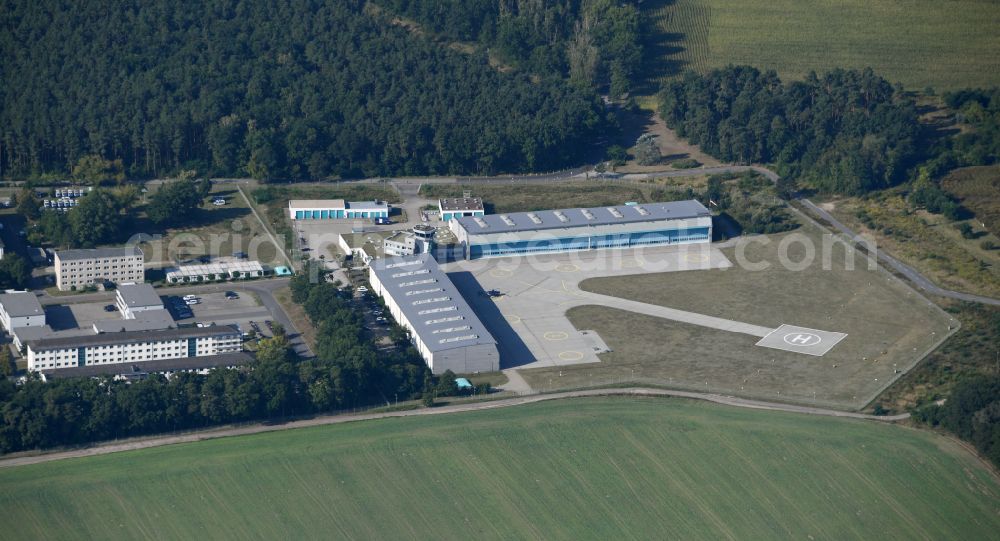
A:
x: 229, y: 270
x: 457, y: 207
x: 19, y: 310
x: 405, y: 243
x: 336, y: 209
x: 442, y: 326
x: 565, y: 230
x: 131, y: 348
x: 132, y: 299
x: 400, y: 244
x: 81, y: 268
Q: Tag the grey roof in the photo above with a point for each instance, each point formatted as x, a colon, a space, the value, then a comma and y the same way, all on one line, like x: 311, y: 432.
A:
x: 431, y: 303
x: 139, y: 295
x: 98, y: 253
x: 582, y: 217
x: 130, y: 337
x: 25, y: 334
x: 21, y: 304
x: 147, y: 320
x: 461, y: 203
x: 161, y: 365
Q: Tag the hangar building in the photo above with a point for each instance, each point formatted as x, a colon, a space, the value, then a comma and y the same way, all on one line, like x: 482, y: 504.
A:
x: 336, y: 209
x: 548, y: 231
x: 443, y: 327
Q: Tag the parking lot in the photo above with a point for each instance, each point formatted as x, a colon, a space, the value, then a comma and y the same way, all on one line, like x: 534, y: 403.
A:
x: 72, y: 316
x: 216, y: 308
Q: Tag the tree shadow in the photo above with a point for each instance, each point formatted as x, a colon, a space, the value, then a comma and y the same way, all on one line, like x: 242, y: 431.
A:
x: 661, y: 50
x: 633, y: 124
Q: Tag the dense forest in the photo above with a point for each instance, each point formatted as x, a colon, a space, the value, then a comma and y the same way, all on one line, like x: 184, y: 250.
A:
x: 972, y: 412
x: 347, y: 372
x: 277, y: 89
x: 844, y: 131
x: 597, y: 42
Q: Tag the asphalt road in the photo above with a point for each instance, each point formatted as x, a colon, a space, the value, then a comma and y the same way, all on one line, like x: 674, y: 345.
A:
x: 909, y: 272
x: 157, y: 441
x: 263, y: 288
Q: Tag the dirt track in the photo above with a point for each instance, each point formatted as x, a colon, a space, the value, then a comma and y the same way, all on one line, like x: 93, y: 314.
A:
x: 157, y: 441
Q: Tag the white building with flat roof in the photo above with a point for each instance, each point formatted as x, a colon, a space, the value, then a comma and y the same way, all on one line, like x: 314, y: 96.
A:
x: 132, y: 299
x: 336, y: 209
x: 81, y: 268
x: 457, y: 207
x: 21, y: 309
x: 222, y: 270
x: 443, y: 327
x: 566, y: 230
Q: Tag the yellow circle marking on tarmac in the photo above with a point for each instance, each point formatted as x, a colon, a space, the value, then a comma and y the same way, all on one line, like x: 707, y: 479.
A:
x: 571, y: 355
x: 500, y: 273
x: 555, y: 335
x: 696, y: 258
x: 513, y: 319
x: 567, y: 267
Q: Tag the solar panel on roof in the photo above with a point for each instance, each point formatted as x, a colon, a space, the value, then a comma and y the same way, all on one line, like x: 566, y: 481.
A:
x: 410, y: 273
x: 422, y: 291
x: 430, y: 301
x: 458, y: 338
x: 443, y: 320
x: 403, y: 264
x: 418, y: 282
x: 436, y: 310
x: 452, y: 329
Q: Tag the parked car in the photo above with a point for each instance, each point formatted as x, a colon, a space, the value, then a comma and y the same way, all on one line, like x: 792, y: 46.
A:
x: 230, y: 295
x: 189, y: 297
x: 219, y: 202
x: 110, y: 308
x: 192, y: 302
x: 381, y: 319
x: 362, y: 289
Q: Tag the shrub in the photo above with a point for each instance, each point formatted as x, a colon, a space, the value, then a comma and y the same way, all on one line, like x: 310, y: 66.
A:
x: 686, y: 163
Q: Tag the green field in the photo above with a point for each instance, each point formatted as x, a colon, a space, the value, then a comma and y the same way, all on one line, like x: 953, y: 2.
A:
x: 946, y: 45
x: 601, y: 468
x: 889, y: 327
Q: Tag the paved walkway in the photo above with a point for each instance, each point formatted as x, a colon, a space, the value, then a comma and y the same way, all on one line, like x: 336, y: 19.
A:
x: 158, y: 441
x: 676, y: 315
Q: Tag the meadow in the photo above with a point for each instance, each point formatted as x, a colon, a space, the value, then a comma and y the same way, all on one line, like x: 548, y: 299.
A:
x: 604, y: 468
x: 889, y: 326
x: 501, y: 198
x: 945, y: 45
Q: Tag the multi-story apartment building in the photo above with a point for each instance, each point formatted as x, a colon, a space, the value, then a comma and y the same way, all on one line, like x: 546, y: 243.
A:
x: 21, y: 310
x: 132, y: 347
x: 79, y: 268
